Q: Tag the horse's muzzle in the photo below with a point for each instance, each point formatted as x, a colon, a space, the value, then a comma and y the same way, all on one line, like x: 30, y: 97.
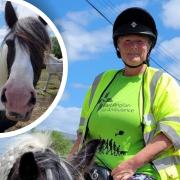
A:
x: 18, y: 105
x: 19, y: 117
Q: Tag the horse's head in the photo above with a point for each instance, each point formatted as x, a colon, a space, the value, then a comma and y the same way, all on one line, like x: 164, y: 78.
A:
x: 22, y: 53
x: 33, y: 159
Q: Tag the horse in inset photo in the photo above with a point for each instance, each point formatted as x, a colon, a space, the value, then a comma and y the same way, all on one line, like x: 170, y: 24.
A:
x: 22, y: 57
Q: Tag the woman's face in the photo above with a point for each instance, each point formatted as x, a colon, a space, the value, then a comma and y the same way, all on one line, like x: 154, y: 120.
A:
x: 133, y: 49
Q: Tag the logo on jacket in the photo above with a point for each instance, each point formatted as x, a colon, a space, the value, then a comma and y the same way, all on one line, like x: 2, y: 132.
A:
x: 104, y: 100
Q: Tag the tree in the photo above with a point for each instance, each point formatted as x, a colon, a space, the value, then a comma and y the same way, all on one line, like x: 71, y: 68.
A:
x: 60, y: 144
x: 56, y: 50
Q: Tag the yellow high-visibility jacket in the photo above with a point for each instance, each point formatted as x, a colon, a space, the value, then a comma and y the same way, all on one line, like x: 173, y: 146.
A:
x: 160, y: 101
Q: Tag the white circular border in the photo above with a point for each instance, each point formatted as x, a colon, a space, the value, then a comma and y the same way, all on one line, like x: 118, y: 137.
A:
x: 64, y: 77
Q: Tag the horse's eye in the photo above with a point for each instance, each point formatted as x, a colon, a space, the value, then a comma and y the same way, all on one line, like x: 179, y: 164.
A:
x: 10, y: 42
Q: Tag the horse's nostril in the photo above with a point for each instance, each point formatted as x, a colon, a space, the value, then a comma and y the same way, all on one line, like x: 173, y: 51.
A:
x: 32, y: 100
x: 3, y: 96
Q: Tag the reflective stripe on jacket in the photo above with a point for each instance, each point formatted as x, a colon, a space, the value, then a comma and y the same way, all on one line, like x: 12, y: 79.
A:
x: 160, y: 102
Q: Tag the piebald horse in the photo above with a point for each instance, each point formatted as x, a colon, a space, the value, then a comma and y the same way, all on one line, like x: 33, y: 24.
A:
x: 33, y: 159
x: 21, y: 61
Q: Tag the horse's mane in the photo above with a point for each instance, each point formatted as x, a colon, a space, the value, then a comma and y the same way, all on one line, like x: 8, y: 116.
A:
x: 37, y: 145
x: 30, y: 142
x: 30, y: 30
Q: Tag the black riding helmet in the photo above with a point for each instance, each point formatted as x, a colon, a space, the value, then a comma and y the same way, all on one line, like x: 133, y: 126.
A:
x: 134, y: 20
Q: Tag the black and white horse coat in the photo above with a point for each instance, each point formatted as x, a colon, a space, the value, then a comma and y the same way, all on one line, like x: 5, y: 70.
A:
x: 21, y: 61
x: 33, y: 159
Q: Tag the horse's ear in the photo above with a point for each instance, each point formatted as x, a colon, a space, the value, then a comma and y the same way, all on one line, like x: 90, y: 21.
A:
x: 10, y: 15
x: 85, y: 156
x: 42, y: 20
x: 28, y: 166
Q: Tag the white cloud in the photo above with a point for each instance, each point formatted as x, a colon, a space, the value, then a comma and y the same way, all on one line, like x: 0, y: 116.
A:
x: 64, y: 119
x: 65, y: 96
x: 76, y: 17
x: 3, y: 32
x: 168, y: 54
x: 171, y: 14
x: 82, y: 43
x: 172, y: 47
x: 19, y: 9
x: 136, y: 3
x: 80, y: 86
x: 114, y: 11
x: 2, y: 3
x: 23, y: 11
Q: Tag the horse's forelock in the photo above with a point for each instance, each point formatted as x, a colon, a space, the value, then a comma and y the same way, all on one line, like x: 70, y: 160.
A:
x: 32, y: 31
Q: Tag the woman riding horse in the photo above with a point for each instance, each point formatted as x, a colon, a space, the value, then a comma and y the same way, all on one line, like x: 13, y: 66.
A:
x: 135, y: 112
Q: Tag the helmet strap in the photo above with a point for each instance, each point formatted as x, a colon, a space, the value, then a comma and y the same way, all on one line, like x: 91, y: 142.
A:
x: 144, y: 62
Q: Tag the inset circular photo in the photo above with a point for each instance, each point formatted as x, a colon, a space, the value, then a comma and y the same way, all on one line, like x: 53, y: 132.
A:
x: 33, y: 67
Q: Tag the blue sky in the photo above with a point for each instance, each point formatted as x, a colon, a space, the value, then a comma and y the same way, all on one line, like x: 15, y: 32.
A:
x: 87, y: 37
